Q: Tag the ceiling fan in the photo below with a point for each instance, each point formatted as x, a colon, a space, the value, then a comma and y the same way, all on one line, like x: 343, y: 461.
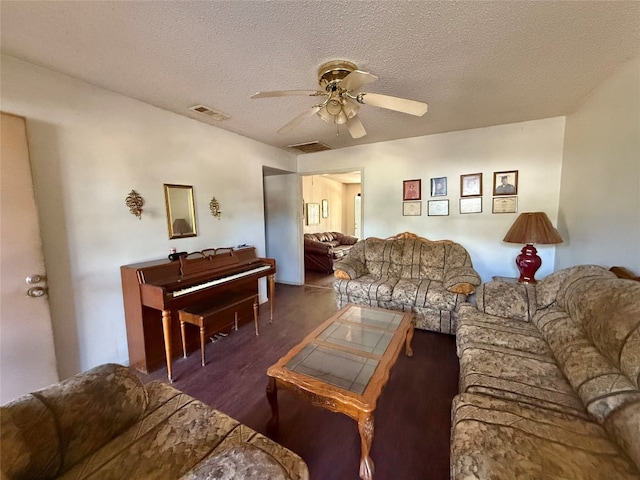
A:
x: 340, y: 80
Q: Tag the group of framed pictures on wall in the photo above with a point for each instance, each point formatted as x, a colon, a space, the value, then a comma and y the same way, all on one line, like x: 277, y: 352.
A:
x: 505, y: 194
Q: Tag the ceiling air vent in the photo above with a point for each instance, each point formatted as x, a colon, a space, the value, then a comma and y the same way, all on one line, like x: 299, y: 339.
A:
x: 310, y: 147
x: 210, y: 112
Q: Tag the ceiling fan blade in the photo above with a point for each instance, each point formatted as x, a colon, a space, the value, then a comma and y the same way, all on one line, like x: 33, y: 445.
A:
x: 298, y: 120
x: 393, y: 103
x: 355, y: 127
x: 287, y: 93
x: 356, y: 80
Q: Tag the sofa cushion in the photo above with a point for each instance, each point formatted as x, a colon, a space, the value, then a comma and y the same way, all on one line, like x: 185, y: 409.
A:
x: 238, y: 462
x: 503, y: 440
x: 369, y: 287
x: 423, y: 293
x: 111, y: 395
x: 600, y: 384
x: 549, y: 288
x: 609, y: 310
x: 526, y: 377
x: 476, y: 328
x: 29, y: 445
x: 505, y: 299
x: 159, y: 446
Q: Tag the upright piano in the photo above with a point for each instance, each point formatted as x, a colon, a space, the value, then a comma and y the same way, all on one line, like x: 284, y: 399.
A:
x: 154, y: 292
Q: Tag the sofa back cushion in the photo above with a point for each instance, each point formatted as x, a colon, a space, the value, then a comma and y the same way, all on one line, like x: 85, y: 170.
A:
x: 29, y: 446
x: 553, y: 287
x: 87, y: 410
x: 412, y: 258
x: 609, y: 311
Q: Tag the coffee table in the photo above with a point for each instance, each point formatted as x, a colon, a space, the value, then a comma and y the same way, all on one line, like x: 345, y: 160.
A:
x: 343, y: 365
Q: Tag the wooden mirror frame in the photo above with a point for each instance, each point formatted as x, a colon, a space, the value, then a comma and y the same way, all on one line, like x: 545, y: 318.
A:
x: 181, y: 214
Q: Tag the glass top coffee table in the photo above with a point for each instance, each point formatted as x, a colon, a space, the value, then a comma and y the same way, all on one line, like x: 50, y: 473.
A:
x: 343, y: 365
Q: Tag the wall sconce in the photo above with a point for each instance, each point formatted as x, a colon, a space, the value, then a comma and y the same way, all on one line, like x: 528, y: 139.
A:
x: 135, y: 202
x: 214, y: 206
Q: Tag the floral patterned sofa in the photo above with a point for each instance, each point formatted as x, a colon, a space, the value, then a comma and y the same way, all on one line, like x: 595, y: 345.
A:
x: 408, y: 273
x: 549, y: 377
x: 105, y: 424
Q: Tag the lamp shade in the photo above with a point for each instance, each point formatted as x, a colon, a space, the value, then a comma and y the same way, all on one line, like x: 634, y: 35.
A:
x: 533, y: 227
x: 530, y: 228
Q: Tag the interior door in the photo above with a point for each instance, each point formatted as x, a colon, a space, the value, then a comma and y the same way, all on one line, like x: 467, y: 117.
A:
x: 357, y: 215
x: 27, y: 354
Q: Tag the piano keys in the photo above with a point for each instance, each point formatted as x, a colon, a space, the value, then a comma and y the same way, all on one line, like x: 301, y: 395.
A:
x: 154, y: 292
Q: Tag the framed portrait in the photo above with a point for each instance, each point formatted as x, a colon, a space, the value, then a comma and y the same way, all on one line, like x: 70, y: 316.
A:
x: 313, y: 214
x: 411, y: 209
x: 505, y: 205
x: 471, y: 185
x: 505, y: 183
x: 411, y: 190
x: 325, y: 208
x: 471, y: 205
x: 438, y: 208
x: 439, y: 187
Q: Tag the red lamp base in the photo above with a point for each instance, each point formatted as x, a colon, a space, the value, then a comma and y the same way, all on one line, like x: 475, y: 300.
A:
x: 528, y: 262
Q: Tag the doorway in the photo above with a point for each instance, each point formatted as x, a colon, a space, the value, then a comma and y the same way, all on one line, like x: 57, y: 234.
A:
x: 337, y: 196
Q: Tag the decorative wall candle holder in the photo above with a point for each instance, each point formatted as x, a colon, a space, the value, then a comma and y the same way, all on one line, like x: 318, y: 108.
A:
x: 135, y: 202
x: 214, y: 206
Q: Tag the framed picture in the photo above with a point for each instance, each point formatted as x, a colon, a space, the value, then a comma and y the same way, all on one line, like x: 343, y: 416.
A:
x: 410, y: 209
x: 411, y: 190
x: 325, y: 208
x: 439, y: 187
x: 471, y: 185
x: 438, y: 208
x: 313, y: 214
x: 505, y: 205
x: 505, y: 183
x: 471, y: 205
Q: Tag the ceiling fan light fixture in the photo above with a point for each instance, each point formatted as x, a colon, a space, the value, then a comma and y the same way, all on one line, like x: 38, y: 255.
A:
x: 334, y: 106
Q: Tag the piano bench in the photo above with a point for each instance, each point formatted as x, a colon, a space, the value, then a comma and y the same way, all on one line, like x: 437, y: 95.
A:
x: 200, y: 314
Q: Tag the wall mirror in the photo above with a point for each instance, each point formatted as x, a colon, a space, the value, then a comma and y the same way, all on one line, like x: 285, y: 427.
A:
x: 181, y: 215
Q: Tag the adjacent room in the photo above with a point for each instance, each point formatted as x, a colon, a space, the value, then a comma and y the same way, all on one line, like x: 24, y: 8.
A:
x: 320, y: 239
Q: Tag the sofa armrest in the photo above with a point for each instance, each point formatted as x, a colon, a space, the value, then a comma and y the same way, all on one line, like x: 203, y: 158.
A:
x: 504, y: 299
x: 463, y: 280
x: 348, y: 240
x: 318, y: 248
x: 349, y: 268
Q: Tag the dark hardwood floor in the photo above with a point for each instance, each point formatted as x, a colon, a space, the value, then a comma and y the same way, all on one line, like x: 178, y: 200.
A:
x: 412, y: 419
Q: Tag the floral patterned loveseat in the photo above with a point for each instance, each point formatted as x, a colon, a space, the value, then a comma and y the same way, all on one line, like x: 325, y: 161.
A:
x: 105, y: 424
x: 408, y: 273
x: 549, y: 377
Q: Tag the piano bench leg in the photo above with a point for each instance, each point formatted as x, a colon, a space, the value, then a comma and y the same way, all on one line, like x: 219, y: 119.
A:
x: 255, y: 313
x: 184, y: 342
x: 202, y: 345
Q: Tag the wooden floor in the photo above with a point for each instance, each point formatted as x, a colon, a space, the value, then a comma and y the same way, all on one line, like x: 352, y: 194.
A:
x: 412, y: 419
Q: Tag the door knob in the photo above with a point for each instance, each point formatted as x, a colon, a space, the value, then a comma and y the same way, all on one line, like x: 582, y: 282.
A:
x: 36, y: 291
x: 31, y: 279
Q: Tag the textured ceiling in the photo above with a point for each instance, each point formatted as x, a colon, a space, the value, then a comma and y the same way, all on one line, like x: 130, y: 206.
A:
x: 475, y: 63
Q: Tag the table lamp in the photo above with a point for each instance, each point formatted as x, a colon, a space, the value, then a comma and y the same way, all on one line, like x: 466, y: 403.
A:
x: 530, y: 228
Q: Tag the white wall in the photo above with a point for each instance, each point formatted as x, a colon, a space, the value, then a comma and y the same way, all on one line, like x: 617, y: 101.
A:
x: 353, y: 189
x: 89, y: 148
x: 533, y: 148
x: 600, y: 191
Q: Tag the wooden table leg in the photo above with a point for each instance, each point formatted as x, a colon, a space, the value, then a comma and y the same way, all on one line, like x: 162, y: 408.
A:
x: 272, y: 297
x: 365, y: 427
x: 272, y: 396
x: 408, y: 349
x: 166, y: 332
